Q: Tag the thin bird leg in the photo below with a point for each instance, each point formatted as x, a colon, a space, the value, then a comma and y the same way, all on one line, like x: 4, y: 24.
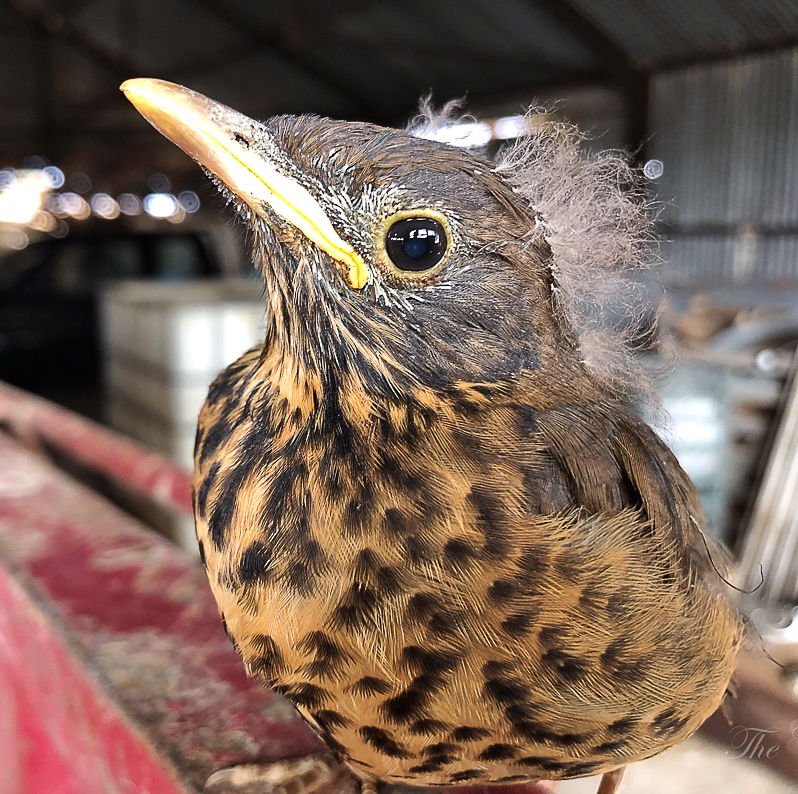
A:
x: 313, y: 774
x: 610, y: 781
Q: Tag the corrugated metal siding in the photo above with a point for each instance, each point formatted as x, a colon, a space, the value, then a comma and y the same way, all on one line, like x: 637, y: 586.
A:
x: 653, y: 32
x: 728, y: 137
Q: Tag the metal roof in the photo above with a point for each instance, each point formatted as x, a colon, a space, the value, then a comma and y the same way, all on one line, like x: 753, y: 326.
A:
x: 656, y: 33
x: 62, y: 60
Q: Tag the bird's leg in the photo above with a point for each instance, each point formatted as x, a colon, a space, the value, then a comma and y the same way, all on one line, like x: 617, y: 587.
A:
x: 610, y: 781
x: 314, y: 774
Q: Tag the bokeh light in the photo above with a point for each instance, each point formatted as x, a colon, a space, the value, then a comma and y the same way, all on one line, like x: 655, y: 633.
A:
x: 160, y: 205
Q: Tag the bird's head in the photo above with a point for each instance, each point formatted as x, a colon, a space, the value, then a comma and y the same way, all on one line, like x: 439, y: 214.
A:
x: 408, y: 261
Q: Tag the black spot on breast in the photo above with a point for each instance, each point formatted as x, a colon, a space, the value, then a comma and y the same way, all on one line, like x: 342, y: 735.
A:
x: 592, y: 599
x: 330, y: 659
x: 498, y: 752
x: 489, y: 509
x: 407, y: 706
x: 666, y: 723
x: 358, y: 512
x: 417, y: 549
x: 255, y: 563
x: 531, y: 760
x: 205, y: 487
x: 501, y: 590
x: 383, y: 742
x: 388, y: 580
x: 617, y: 648
x: 251, y: 455
x: 299, y: 578
x: 568, y: 569
x: 422, y: 606
x: 429, y: 766
x: 278, y: 502
x: 458, y: 553
x: 570, y: 667
x: 368, y: 568
x: 533, y: 565
x: 216, y: 434
x: 369, y: 685
x: 321, y: 644
x: 608, y: 747
x: 356, y: 608
x: 428, y: 727
x: 627, y: 670
x: 445, y: 622
x: 468, y: 733
x: 441, y: 759
x: 552, y: 766
x: 506, y: 690
x: 496, y: 667
x: 268, y: 662
x: 568, y: 739
x: 623, y: 725
x: 465, y: 774
x: 533, y: 731
x: 620, y: 604
x: 309, y: 696
x: 581, y: 768
x: 422, y: 661
x: 404, y: 480
x: 519, y: 623
x: 511, y: 778
x: 521, y: 711
x: 328, y: 719
x: 441, y: 748
x: 551, y: 636
x: 367, y: 562
x: 396, y: 522
x: 202, y: 554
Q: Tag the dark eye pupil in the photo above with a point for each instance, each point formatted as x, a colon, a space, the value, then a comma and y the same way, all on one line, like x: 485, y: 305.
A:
x: 416, y: 244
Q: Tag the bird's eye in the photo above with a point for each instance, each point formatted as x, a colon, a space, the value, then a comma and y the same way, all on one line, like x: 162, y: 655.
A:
x: 416, y: 244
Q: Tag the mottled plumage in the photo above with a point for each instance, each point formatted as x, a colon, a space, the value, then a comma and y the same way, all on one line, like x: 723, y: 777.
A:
x: 425, y: 520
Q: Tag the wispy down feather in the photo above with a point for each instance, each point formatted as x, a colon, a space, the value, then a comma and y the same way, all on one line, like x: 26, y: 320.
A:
x: 597, y: 218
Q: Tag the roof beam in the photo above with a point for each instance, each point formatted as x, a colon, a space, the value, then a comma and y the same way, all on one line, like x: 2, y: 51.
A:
x: 614, y: 58
x: 55, y: 24
x: 274, y: 44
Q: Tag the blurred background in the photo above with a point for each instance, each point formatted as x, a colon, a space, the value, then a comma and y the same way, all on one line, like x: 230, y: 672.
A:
x: 125, y: 284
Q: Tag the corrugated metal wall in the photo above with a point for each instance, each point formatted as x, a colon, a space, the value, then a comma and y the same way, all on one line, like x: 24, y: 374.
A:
x: 727, y: 134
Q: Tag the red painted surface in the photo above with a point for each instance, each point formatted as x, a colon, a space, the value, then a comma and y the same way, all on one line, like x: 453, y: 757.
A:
x: 115, y: 674
x: 123, y: 612
x: 59, y: 732
x: 35, y: 420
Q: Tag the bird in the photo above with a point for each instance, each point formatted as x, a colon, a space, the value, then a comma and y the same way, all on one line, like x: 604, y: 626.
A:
x: 429, y: 519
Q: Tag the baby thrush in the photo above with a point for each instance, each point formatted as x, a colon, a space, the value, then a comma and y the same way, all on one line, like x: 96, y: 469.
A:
x: 425, y: 519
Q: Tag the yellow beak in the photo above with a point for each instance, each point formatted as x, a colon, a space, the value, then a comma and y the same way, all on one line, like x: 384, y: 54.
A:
x: 218, y: 137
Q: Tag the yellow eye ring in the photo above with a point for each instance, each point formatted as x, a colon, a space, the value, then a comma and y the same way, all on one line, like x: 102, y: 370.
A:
x: 414, y: 244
